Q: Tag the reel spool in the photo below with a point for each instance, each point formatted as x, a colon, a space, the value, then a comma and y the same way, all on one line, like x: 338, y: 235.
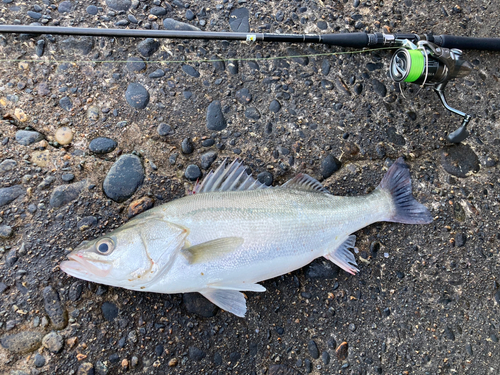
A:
x: 427, y: 64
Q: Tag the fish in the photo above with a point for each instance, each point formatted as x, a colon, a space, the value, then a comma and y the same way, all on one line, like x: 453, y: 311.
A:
x: 233, y: 232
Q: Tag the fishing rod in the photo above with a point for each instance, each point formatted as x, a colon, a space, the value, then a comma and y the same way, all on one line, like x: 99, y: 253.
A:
x: 426, y: 60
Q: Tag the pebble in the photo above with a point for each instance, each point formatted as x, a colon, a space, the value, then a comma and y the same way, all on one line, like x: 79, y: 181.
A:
x: 171, y: 24
x: 63, y: 135
x: 22, y: 342
x: 87, y: 368
x: 86, y: 223
x: 7, y: 165
x: 192, y: 172
x: 93, y: 113
x: 233, y: 67
x: 195, y: 303
x: 68, y: 177
x: 449, y: 334
x: 243, y: 96
x: 313, y: 349
x: 46, y: 182
x: 173, y: 362
x: 207, y: 159
x: 379, y: 87
x: 321, y: 269
x: 187, y: 146
x: 8, y: 194
x: 342, y: 351
x: 158, y: 73
x: 252, y: 113
x: 102, y: 145
x: 81, y: 45
x: 460, y: 239
x: 75, y: 291
x: 460, y: 160
x: 65, y: 103
x: 238, y: 20
x: 53, y: 341
x: 92, y: 10
x: 358, y: 88
x: 119, y: 4
x: 40, y: 158
x: 40, y: 47
x: 5, y: 231
x: 65, y: 7
x: 195, y: 353
x: 64, y: 194
x: 138, y: 206
x: 308, y: 365
x: 215, y: 118
x: 11, y: 258
x: 158, y: 11
x: 39, y: 360
x: 329, y: 165
x: 164, y: 129
x: 34, y: 15
x: 296, y: 56
x: 188, y: 69
x: 325, y: 357
x: 394, y: 137
x: 54, y: 309
x: 148, y: 47
x: 109, y: 311
x: 135, y: 64
x: 28, y: 137
x: 352, y: 327
x: 137, y: 96
x: 124, y: 178
x: 275, y: 106
x: 265, y: 178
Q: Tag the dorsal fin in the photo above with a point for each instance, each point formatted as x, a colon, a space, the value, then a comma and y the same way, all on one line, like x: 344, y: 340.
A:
x: 305, y: 182
x: 230, y: 177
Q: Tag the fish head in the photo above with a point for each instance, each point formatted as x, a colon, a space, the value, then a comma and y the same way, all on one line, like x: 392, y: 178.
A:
x: 130, y: 256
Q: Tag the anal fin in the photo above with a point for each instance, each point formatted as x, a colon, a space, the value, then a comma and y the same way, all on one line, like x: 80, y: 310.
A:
x: 229, y: 300
x: 343, y: 258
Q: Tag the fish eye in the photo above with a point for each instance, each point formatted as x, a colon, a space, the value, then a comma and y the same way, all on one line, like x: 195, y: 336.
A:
x: 105, y: 246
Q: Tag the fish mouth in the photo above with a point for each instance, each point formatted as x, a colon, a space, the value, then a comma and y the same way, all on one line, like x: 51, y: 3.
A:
x: 78, y: 266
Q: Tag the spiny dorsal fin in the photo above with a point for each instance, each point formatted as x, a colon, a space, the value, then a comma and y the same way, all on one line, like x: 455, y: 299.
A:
x: 305, y: 182
x: 230, y: 177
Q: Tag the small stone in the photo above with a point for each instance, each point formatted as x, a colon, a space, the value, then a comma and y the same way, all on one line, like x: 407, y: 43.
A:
x: 65, y: 7
x: 173, y: 362
x: 20, y: 115
x: 65, y: 103
x: 137, y: 96
x: 6, y: 231
x: 171, y: 24
x: 252, y: 113
x: 352, y: 327
x: 187, y: 146
x: 139, y: 205
x: 148, y: 47
x: 460, y: 239
x: 87, y: 368
x: 53, y: 342
x: 379, y: 87
x: 299, y: 58
x: 8, y: 194
x: 68, y: 177
x: 11, y: 258
x: 233, y: 67
x: 215, y: 118
x: 358, y: 88
x: 320, y: 269
x: 86, y: 223
x: 190, y: 15
x: 54, y: 309
x: 34, y: 15
x: 64, y: 194
x: 460, y: 160
x: 123, y: 178
x: 394, y: 137
x: 46, y: 182
x: 207, y: 159
x: 192, y: 172
x: 195, y: 303
x: 342, y: 351
x: 28, y: 137
x: 75, y: 291
x: 92, y: 10
x: 93, y: 113
x: 102, y: 145
x: 329, y: 165
x: 158, y: 11
x: 22, y: 342
x: 313, y: 349
x: 119, y: 4
x: 158, y: 73
x: 81, y: 45
x: 243, y: 96
x: 164, y: 129
x: 196, y: 354
x: 40, y: 47
x: 109, y: 311
x: 39, y: 360
x: 63, y: 135
x: 308, y: 365
x: 325, y: 357
x: 135, y: 64
x: 40, y: 158
x: 265, y: 178
x: 325, y: 67
x: 7, y: 165
x: 449, y: 334
x: 188, y: 69
x: 275, y: 106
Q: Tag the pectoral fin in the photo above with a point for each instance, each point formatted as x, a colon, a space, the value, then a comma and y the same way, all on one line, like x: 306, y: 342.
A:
x: 210, y: 250
x: 229, y: 300
x: 343, y: 258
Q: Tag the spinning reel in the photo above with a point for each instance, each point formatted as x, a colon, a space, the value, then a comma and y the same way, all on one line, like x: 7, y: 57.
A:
x: 427, y: 64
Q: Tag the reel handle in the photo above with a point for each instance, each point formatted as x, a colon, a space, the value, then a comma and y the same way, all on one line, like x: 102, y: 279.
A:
x: 461, y: 133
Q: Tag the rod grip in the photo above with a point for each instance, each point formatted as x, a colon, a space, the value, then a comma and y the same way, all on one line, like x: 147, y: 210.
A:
x: 356, y: 40
x: 465, y: 42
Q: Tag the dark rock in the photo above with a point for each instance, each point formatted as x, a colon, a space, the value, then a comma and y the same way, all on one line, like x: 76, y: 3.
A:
x: 65, y: 7
x: 5, y: 231
x: 102, y: 145
x: 460, y: 160
x: 119, y: 4
x: 187, y: 146
x: 299, y: 58
x: 135, y: 64
x: 190, y: 15
x: 82, y: 45
x: 275, y: 106
x: 468, y: 348
x: 207, y: 159
x: 325, y: 67
x: 374, y: 66
x: 92, y: 10
x: 109, y: 311
x: 86, y: 223
x: 54, y: 309
x: 217, y: 359
x: 265, y: 178
x: 39, y: 360
x: 460, y: 239
x: 8, y: 194
x: 28, y: 137
x: 233, y: 67
x: 123, y: 178
x: 252, y: 113
x: 342, y: 351
x: 148, y: 47
x: 65, y: 103
x: 66, y: 193
x: 68, y: 177
x: 243, y: 96
x: 238, y: 20
x: 394, y: 137
x: 313, y: 349
x: 192, y: 172
x: 53, y: 341
x: 137, y: 96
x: 158, y: 73
x: 87, y: 368
x: 332, y: 344
x: 34, y: 15
x: 208, y: 142
x: 197, y: 304
x: 308, y: 366
x: 195, y: 353
x: 322, y: 25
x: 11, y: 258
x: 75, y: 291
x: 411, y: 115
x: 158, y: 11
x: 218, y: 64
x: 449, y: 334
x: 358, y: 88
x: 7, y: 165
x: 329, y: 165
x: 325, y: 357
x: 22, y: 342
x: 46, y: 182
x: 215, y: 118
x: 188, y: 69
x: 234, y: 357
x: 159, y: 350
x: 321, y: 269
x: 164, y: 129
x: 171, y: 24
x: 341, y: 86
x: 282, y: 370
x: 379, y: 87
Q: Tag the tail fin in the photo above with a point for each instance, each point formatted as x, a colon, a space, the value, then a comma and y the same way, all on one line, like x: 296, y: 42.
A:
x: 397, y: 182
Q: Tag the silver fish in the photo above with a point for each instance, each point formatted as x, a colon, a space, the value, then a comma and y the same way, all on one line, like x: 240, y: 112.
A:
x: 233, y: 232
